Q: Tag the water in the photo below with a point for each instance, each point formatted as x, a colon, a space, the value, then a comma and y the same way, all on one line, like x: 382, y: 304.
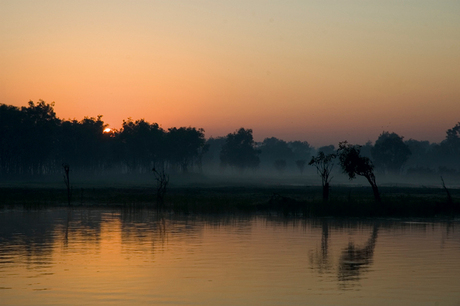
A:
x: 113, y: 257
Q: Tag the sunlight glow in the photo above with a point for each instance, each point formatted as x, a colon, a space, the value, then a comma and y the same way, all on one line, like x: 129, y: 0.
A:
x: 303, y: 70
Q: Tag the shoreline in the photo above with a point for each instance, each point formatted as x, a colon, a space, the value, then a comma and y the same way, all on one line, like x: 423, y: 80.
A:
x: 306, y: 201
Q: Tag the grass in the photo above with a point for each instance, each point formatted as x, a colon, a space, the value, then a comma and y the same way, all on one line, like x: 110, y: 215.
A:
x: 345, y: 201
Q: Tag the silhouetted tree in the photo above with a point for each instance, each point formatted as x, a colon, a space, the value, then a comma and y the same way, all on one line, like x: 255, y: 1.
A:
x: 11, y: 139
x: 324, y: 165
x: 274, y: 149
x: 366, y: 150
x: 300, y: 149
x: 39, y: 127
x: 185, y: 146
x: 34, y: 141
x: 450, y: 202
x: 28, y: 138
x: 82, y: 144
x: 449, y: 149
x: 453, y: 138
x: 353, y: 164
x: 239, y: 150
x: 141, y: 144
x: 162, y: 183
x: 67, y: 182
x: 212, y: 154
x: 199, y: 158
x: 422, y: 155
x: 390, y: 152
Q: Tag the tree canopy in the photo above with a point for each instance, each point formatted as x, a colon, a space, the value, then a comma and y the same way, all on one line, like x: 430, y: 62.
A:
x: 239, y: 150
x: 390, y: 152
x: 324, y: 165
x: 34, y: 141
x: 353, y: 164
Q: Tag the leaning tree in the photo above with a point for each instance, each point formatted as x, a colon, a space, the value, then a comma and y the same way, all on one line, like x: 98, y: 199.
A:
x: 353, y: 164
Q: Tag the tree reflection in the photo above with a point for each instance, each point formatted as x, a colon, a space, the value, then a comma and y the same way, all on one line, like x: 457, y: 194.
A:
x: 27, y: 236
x: 354, y: 259
x: 144, y: 227
x: 320, y: 259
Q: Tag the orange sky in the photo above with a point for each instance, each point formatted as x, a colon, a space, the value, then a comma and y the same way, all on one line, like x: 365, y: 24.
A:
x: 320, y: 71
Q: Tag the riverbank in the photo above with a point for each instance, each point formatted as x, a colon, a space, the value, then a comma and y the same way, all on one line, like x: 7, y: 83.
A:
x: 346, y: 201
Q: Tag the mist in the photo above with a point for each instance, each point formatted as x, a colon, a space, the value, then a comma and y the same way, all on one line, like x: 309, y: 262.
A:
x: 35, y: 144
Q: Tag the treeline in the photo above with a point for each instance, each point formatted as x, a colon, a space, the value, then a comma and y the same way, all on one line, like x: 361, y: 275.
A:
x: 34, y: 141
x: 390, y: 154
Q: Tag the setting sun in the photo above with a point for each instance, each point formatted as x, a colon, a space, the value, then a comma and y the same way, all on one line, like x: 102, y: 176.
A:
x: 215, y: 152
x: 303, y: 70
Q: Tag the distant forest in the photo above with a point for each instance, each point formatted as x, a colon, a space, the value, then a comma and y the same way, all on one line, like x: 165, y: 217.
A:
x: 34, y: 141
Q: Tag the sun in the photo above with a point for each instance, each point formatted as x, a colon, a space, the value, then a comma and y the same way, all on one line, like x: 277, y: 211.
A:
x: 107, y: 130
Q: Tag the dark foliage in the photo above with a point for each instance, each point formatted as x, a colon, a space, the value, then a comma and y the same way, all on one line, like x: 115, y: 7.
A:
x: 239, y: 150
x: 185, y: 146
x: 273, y: 150
x: 33, y: 141
x: 390, y: 153
x: 353, y: 164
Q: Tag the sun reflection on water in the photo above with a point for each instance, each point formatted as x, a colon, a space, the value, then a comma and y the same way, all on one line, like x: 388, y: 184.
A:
x: 94, y: 256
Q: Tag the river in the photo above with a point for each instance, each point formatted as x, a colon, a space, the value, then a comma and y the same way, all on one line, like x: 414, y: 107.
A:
x: 107, y: 256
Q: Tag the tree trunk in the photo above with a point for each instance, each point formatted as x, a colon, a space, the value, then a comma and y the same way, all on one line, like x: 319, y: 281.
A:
x: 449, y: 197
x: 375, y: 189
x: 325, y: 192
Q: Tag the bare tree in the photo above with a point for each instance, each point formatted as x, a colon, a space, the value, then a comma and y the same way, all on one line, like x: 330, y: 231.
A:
x: 67, y: 182
x: 449, y: 197
x: 324, y: 165
x: 162, y: 182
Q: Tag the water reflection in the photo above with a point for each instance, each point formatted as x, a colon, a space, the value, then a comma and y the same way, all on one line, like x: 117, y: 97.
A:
x: 320, y: 258
x: 142, y: 254
x: 28, y: 235
x: 355, y: 259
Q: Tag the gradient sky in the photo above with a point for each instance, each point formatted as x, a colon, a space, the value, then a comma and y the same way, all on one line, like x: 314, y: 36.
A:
x: 320, y: 71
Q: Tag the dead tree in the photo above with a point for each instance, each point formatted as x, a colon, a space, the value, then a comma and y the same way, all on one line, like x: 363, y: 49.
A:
x: 162, y: 182
x: 324, y: 165
x: 449, y: 197
x: 67, y: 182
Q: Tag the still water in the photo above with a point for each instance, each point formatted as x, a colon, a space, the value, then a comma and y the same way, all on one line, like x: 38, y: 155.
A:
x: 87, y: 256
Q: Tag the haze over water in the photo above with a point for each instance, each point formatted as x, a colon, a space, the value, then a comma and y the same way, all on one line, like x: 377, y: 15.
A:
x: 292, y: 76
x: 114, y: 257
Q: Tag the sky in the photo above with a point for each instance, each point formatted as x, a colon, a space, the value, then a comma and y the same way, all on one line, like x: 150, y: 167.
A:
x: 316, y: 71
